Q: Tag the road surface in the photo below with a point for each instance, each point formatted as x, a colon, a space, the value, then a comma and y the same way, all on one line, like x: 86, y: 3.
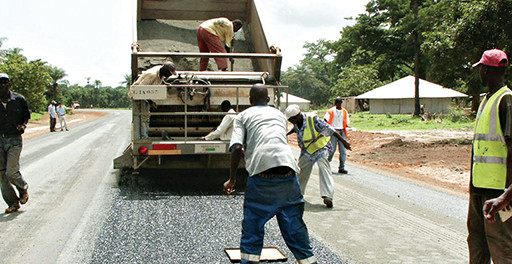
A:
x: 78, y: 213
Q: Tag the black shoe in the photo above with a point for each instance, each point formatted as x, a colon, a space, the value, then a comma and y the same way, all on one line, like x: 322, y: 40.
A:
x: 342, y: 171
x: 328, y: 202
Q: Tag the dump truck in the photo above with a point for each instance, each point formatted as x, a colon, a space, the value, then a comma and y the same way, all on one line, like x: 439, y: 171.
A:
x: 187, y: 106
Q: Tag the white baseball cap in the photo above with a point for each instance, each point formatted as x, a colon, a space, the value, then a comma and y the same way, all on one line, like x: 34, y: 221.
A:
x: 292, y: 110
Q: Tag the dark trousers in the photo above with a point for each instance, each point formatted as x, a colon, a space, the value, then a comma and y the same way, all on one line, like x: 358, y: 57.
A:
x: 53, y: 122
x: 10, y: 150
x: 487, y: 240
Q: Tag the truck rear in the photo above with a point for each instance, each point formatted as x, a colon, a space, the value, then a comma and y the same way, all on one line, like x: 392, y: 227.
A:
x: 187, y: 107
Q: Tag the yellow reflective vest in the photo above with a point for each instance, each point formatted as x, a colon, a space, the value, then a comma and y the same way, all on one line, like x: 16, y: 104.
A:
x: 312, y: 139
x: 489, y: 148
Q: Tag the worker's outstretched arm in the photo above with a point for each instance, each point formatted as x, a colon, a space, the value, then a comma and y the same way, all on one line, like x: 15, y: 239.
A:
x: 236, y: 155
x: 343, y: 141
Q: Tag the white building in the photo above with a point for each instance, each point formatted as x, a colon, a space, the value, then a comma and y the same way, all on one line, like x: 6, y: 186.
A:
x: 292, y: 99
x: 398, y: 97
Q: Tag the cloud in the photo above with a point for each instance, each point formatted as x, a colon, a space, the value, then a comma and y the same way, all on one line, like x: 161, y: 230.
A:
x: 290, y: 23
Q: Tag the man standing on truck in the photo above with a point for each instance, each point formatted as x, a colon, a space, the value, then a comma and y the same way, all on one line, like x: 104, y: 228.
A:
x: 337, y: 117
x: 491, y: 166
x: 215, y: 35
x: 225, y: 129
x: 313, y: 135
x: 14, y: 116
x: 153, y: 76
x: 272, y: 187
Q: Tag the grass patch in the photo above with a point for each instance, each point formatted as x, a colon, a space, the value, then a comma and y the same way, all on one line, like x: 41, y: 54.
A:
x: 371, y: 122
x: 35, y: 116
x: 374, y: 122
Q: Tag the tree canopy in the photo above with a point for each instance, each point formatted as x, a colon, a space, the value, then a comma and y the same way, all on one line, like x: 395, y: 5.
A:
x: 379, y: 48
x: 41, y: 83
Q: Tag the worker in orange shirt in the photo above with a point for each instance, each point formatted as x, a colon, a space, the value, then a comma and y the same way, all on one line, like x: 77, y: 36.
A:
x: 338, y: 118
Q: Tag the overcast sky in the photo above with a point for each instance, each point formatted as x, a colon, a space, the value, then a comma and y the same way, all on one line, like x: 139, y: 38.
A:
x: 92, y: 38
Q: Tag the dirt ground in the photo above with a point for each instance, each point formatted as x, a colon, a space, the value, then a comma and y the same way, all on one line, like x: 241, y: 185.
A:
x: 440, y: 158
x: 42, y: 126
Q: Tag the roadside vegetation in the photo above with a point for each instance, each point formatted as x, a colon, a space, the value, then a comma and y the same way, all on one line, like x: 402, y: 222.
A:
x: 380, y: 48
x: 374, y: 122
x: 364, y: 121
x: 35, y: 116
x: 40, y: 83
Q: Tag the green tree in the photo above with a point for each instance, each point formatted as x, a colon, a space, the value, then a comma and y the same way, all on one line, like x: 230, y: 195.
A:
x: 127, y: 80
x: 97, y: 84
x: 466, y: 29
x: 57, y: 74
x: 28, y: 78
x: 312, y: 77
x: 302, y: 81
x: 355, y: 80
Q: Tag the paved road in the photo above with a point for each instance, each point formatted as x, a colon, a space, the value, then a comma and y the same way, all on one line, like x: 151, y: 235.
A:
x: 78, y: 213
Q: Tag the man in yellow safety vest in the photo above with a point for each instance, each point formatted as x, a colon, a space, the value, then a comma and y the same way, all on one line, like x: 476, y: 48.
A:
x: 491, y: 166
x: 313, y: 135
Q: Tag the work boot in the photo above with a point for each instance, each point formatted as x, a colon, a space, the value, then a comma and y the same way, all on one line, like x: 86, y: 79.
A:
x: 328, y: 202
x: 342, y: 171
x: 12, y: 209
x: 24, y: 198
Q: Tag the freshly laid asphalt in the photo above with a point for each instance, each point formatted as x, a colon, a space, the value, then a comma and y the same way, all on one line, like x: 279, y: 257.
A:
x: 152, y: 223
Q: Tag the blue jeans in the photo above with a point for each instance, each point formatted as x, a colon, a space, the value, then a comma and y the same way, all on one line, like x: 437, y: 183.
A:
x: 335, y: 142
x: 269, y: 197
x: 10, y: 151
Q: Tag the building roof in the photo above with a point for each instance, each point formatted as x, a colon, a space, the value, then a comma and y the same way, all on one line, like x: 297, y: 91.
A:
x: 293, y: 99
x: 404, y: 89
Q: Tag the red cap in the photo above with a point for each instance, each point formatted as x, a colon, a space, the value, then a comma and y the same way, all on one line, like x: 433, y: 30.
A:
x: 493, y: 57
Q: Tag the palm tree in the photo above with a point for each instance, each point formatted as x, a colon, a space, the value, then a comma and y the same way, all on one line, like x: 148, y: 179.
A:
x: 56, y: 74
x: 97, y: 83
x: 127, y: 80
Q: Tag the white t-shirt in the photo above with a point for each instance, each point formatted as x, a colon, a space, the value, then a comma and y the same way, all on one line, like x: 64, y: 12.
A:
x: 225, y: 129
x: 337, y: 121
x: 262, y: 132
x: 51, y: 111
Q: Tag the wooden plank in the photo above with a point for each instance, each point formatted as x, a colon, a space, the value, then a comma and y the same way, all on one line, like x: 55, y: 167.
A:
x: 153, y: 152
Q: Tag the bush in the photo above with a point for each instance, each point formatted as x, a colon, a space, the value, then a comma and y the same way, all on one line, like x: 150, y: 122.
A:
x: 457, y: 114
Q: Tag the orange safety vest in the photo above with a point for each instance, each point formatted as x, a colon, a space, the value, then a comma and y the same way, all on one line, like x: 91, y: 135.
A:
x: 345, y: 117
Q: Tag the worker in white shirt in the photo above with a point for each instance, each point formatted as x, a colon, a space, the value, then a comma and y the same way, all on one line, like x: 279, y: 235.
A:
x: 225, y: 129
x: 337, y: 117
x: 259, y: 136
x: 53, y: 115
x: 153, y: 76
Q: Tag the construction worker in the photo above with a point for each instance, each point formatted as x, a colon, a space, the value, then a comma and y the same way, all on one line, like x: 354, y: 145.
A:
x: 215, y: 35
x: 225, y: 129
x: 313, y: 135
x: 14, y: 116
x: 491, y: 164
x: 338, y: 118
x: 152, y: 76
x: 272, y: 189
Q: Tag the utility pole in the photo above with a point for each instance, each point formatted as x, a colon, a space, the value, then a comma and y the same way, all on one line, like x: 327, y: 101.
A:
x: 416, y: 60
